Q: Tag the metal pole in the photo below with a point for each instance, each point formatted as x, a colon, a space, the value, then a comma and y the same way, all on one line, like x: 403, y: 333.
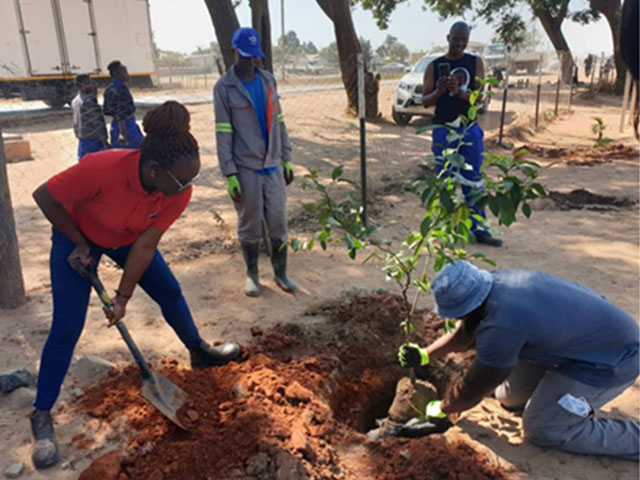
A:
x: 363, y: 143
x: 625, y: 99
x: 284, y: 40
x: 570, y: 93
x: 504, y: 97
x: 558, y: 84
x: 538, y: 91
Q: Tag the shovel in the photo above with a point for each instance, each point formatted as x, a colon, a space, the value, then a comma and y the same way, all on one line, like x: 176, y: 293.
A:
x: 160, y: 392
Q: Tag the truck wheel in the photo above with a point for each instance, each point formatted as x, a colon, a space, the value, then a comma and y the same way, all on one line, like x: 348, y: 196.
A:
x: 400, y: 118
x: 56, y: 103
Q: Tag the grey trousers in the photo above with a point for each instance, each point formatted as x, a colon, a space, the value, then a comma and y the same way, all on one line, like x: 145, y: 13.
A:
x: 262, y: 195
x: 549, y: 425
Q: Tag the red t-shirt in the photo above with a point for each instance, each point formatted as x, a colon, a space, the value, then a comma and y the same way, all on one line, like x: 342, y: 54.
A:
x: 105, y: 198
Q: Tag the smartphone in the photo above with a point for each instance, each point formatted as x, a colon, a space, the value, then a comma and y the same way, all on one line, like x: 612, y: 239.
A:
x: 444, y: 69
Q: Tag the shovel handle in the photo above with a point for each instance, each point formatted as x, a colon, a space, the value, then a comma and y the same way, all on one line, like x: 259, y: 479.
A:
x: 89, y: 273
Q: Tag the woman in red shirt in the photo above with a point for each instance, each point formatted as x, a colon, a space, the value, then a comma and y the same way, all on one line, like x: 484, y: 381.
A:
x: 118, y: 203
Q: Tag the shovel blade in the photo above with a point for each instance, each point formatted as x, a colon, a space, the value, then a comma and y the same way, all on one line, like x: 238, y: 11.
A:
x: 165, y: 396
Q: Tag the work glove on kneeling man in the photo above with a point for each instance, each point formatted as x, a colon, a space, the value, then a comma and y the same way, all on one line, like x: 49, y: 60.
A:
x: 411, y: 355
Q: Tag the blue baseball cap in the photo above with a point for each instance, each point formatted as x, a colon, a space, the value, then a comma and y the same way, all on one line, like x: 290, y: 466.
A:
x: 460, y: 288
x: 247, y: 42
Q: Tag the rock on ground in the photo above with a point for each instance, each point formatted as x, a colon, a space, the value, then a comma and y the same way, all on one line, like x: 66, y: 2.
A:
x: 16, y: 378
x: 18, y: 399
x: 92, y: 369
x: 14, y: 470
x: 411, y: 399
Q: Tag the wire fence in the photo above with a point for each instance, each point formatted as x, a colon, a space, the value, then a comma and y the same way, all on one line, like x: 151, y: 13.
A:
x: 323, y: 133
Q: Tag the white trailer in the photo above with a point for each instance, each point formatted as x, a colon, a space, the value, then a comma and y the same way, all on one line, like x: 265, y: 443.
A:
x: 44, y: 44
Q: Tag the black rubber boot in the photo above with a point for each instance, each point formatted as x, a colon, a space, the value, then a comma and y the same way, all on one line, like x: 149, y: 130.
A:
x: 250, y: 251
x: 45, y: 452
x: 279, y: 262
x: 208, y: 356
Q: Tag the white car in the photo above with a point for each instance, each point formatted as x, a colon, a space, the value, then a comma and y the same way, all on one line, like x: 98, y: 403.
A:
x: 408, y: 98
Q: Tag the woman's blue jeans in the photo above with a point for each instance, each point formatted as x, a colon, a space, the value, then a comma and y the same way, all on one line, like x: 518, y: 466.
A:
x: 71, y: 299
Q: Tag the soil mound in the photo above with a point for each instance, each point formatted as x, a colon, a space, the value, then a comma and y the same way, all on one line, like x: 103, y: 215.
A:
x: 296, y: 407
x: 585, y: 156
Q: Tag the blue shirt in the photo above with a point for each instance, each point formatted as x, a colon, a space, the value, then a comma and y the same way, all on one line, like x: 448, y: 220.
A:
x: 560, y: 325
x: 255, y: 91
x: 118, y: 102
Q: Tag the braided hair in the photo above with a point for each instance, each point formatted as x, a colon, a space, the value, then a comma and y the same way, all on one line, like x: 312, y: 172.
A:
x: 167, y: 139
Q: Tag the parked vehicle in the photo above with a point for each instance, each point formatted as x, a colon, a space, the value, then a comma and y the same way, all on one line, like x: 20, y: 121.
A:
x: 495, y: 56
x: 45, y: 44
x: 408, y: 98
x: 396, y: 67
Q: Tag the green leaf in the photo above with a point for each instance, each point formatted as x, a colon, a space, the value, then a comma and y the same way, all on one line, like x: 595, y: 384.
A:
x: 352, y: 253
x: 446, y: 201
x: 427, y: 128
x: 473, y: 98
x: 449, y: 325
x: 539, y: 189
x: 337, y: 172
x: 425, y: 226
x: 526, y: 209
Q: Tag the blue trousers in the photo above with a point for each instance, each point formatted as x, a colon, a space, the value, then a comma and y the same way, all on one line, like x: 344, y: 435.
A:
x: 89, y: 145
x: 133, y: 133
x: 472, y: 150
x: 70, y: 302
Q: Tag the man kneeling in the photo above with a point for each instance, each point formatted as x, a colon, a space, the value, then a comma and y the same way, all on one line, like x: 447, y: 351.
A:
x: 551, y: 348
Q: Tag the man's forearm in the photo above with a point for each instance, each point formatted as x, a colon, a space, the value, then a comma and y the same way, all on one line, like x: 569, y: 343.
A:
x: 431, y: 98
x: 453, y: 342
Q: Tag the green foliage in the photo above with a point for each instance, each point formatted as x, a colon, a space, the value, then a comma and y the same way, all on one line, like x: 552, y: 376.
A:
x: 598, y: 127
x: 443, y: 217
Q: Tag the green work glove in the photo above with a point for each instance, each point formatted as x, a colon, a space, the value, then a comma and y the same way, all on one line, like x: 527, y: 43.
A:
x: 434, y: 411
x: 410, y: 355
x: 288, y: 172
x: 233, y: 188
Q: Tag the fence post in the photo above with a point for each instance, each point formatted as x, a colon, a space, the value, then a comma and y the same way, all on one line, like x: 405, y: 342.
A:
x: 12, y: 283
x: 362, y: 107
x: 504, y: 97
x: 538, y: 91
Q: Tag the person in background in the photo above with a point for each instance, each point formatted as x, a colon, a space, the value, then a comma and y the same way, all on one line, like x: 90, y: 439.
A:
x: 547, y: 347
x: 254, y: 153
x: 118, y: 203
x: 118, y: 103
x: 88, y: 121
x: 450, y: 93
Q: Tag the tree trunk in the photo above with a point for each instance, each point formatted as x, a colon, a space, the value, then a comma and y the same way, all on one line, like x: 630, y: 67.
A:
x: 612, y: 11
x: 262, y: 23
x: 11, y: 283
x: 225, y: 22
x: 553, y: 28
x: 339, y: 12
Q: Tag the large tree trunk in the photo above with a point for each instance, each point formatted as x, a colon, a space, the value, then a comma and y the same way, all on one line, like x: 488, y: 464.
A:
x: 262, y: 23
x: 225, y: 22
x: 612, y: 11
x: 11, y: 283
x: 339, y: 12
x: 553, y: 28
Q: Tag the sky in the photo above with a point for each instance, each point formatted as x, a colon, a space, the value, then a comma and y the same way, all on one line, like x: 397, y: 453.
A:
x: 185, y: 24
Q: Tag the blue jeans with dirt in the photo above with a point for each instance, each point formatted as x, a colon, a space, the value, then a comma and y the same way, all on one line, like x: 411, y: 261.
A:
x: 472, y: 150
x: 71, y: 299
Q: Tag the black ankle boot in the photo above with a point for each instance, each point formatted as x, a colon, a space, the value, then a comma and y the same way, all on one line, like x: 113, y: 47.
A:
x: 487, y: 239
x: 209, y: 356
x: 45, y: 452
x: 279, y: 262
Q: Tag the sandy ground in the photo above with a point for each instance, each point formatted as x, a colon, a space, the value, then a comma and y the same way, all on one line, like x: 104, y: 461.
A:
x: 597, y: 248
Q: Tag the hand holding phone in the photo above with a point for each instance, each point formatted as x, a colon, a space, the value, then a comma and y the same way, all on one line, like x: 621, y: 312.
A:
x: 444, y: 69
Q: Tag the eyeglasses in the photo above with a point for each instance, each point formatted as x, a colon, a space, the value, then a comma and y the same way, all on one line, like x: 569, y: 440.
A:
x: 182, y: 186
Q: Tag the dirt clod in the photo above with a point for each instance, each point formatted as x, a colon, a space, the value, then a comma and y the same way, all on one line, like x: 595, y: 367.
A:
x: 106, y: 467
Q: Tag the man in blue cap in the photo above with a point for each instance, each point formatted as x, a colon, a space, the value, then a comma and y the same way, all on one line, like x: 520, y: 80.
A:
x: 254, y: 153
x: 551, y: 348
